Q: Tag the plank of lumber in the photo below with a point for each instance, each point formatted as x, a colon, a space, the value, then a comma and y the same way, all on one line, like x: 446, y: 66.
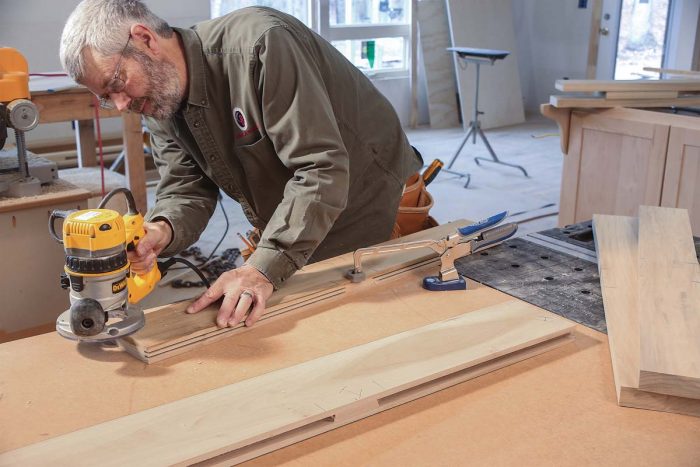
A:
x: 567, y: 101
x: 641, y: 94
x: 671, y: 71
x: 616, y: 239
x: 169, y: 331
x: 592, y: 85
x: 313, y: 397
x: 669, y: 303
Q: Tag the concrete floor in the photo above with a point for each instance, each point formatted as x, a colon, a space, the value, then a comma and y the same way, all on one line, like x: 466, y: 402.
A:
x: 532, y: 201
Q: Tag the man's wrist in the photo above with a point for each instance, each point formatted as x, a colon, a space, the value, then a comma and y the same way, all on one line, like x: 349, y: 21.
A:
x: 166, y: 232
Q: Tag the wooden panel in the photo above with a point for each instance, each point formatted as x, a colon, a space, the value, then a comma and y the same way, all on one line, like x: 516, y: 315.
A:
x: 563, y: 101
x: 616, y: 240
x: 487, y: 25
x: 641, y: 94
x: 614, y: 165
x: 309, y: 398
x: 585, y: 85
x: 439, y: 71
x: 669, y: 303
x: 682, y: 176
x: 169, y: 331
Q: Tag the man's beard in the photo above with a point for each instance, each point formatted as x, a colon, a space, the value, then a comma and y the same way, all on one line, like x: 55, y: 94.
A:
x: 163, y: 90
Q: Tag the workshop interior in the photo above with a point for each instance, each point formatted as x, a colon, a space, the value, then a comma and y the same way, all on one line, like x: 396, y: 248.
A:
x: 537, y: 302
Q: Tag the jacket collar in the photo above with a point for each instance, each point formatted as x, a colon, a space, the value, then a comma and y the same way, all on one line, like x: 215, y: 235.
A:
x: 196, y: 69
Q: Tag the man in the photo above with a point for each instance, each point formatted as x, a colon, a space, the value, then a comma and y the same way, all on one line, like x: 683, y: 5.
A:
x: 257, y: 105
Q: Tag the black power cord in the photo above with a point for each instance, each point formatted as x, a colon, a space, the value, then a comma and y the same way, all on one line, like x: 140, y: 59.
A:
x: 163, y: 266
x: 211, y: 265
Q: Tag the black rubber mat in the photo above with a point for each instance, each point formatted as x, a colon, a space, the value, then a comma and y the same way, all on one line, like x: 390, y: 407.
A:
x: 556, y: 281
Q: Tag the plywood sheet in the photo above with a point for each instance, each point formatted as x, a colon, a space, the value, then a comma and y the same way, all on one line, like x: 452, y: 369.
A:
x: 616, y: 240
x: 487, y: 25
x: 309, y: 398
x: 169, y: 331
x: 669, y: 303
x: 439, y: 72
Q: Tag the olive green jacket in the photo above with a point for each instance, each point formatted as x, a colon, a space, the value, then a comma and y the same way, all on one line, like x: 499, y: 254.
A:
x: 279, y: 120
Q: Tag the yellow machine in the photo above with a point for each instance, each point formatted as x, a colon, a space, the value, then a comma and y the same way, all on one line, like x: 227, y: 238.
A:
x: 19, y: 113
x: 103, y: 290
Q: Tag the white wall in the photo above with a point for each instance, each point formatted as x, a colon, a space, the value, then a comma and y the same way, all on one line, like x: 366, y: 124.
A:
x: 34, y: 28
x: 552, y: 37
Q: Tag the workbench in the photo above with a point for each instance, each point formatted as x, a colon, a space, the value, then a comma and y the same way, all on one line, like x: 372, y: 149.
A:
x: 60, y: 99
x: 557, y: 408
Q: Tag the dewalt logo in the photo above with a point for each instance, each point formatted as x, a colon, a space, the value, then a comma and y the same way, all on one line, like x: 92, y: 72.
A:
x: 119, y: 286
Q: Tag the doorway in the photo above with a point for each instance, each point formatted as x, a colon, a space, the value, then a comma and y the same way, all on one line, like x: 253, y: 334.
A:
x: 633, y: 34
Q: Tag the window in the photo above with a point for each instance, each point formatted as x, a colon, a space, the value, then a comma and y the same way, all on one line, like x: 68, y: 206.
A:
x: 297, y: 8
x: 373, y: 34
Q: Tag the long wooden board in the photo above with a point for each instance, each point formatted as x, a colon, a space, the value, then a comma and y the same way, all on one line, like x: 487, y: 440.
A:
x: 669, y: 303
x: 583, y: 102
x: 671, y: 71
x: 616, y: 239
x: 169, y: 331
x: 592, y: 85
x: 255, y: 416
x: 612, y: 95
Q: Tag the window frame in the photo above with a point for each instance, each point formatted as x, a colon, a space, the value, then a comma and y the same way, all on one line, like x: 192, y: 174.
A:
x: 322, y: 25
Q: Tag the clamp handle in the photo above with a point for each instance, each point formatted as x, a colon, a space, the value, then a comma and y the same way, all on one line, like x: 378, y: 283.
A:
x: 482, y: 224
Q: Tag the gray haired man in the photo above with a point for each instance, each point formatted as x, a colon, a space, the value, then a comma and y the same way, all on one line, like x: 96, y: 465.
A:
x: 257, y: 105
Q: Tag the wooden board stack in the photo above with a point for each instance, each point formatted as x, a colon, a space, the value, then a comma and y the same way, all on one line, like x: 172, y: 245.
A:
x: 169, y: 332
x: 650, y: 279
x: 626, y: 93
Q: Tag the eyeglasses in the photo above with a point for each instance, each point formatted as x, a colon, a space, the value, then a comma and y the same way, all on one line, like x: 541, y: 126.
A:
x: 116, y: 84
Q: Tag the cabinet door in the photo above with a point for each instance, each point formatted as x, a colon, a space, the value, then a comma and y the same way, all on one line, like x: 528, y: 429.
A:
x: 682, y: 177
x: 613, y: 166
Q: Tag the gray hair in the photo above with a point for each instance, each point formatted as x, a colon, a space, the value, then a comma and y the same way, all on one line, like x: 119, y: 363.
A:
x: 103, y: 26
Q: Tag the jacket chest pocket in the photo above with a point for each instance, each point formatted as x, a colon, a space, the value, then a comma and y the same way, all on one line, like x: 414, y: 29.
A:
x: 264, y: 174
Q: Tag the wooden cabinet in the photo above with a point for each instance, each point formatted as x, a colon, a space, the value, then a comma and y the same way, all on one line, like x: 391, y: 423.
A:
x: 682, y: 176
x: 618, y: 159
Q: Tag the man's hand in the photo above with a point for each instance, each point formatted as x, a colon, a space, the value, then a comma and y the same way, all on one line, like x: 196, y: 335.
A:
x: 241, y: 288
x: 158, y: 236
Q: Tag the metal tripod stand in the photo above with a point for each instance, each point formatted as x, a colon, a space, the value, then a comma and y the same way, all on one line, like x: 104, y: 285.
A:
x: 478, y: 57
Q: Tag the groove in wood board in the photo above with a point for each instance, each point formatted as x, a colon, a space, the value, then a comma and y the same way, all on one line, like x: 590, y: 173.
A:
x: 319, y: 395
x: 616, y: 239
x: 169, y: 331
x: 564, y: 101
x: 669, y: 303
x: 591, y: 85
